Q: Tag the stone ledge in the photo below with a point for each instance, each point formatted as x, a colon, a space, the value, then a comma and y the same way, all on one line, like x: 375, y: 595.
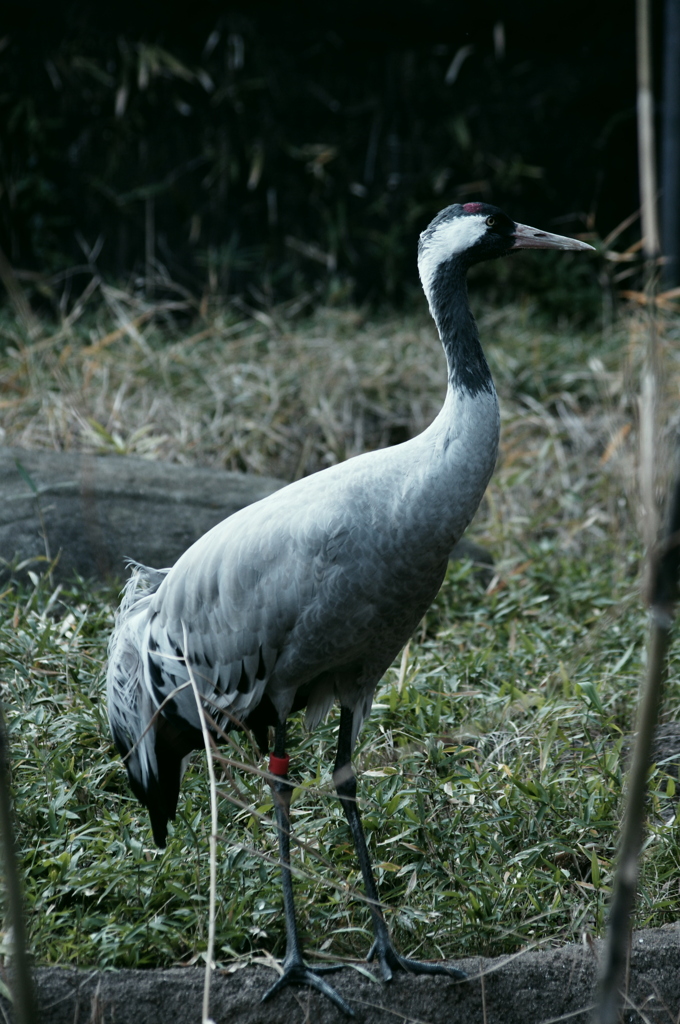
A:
x: 530, y: 988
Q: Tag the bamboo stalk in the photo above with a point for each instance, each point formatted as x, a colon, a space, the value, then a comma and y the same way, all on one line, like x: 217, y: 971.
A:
x: 650, y: 244
x: 646, y: 139
x: 24, y: 999
x: 665, y: 569
x: 662, y: 564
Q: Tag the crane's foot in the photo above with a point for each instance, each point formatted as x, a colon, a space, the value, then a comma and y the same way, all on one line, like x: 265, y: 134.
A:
x: 390, y: 961
x: 300, y: 974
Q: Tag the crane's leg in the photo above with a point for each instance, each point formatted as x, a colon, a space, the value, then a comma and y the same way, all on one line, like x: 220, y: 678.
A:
x: 295, y: 971
x: 346, y: 788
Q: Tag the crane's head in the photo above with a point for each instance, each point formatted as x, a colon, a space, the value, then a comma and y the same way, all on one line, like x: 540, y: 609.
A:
x: 470, y: 233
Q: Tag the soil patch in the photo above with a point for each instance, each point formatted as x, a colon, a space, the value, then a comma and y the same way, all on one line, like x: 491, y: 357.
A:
x: 530, y: 988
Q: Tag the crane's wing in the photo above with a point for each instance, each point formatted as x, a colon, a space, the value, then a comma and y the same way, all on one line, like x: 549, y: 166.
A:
x: 280, y: 593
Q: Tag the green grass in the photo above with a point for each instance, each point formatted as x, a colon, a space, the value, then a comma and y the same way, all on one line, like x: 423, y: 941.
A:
x: 491, y: 768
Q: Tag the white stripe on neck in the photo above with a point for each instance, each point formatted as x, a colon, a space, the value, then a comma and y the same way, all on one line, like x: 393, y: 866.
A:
x: 449, y: 238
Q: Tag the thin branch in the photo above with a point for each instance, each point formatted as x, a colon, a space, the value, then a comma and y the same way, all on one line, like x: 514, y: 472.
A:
x: 646, y: 141
x: 662, y: 561
x: 24, y: 999
x: 650, y: 244
x: 666, y: 566
x: 213, y: 838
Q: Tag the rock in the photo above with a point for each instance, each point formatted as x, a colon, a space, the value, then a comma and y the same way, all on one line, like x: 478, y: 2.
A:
x: 481, y: 558
x: 528, y: 988
x: 97, y: 510
x: 469, y: 549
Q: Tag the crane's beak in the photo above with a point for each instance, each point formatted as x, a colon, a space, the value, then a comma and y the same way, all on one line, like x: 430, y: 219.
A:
x: 532, y: 238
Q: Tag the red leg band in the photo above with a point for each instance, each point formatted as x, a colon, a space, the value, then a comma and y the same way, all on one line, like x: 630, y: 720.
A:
x: 278, y: 765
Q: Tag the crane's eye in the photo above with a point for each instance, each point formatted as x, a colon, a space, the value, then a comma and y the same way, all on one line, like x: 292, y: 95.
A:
x: 490, y: 221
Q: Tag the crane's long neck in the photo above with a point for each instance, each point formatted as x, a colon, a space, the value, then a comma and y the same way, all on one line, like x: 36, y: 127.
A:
x: 468, y: 369
x: 457, y: 452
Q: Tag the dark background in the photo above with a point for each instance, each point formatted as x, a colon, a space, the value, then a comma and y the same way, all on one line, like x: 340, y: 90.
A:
x: 266, y: 148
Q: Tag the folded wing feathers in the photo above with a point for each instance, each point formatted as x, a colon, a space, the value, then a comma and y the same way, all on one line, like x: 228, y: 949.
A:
x: 130, y: 702
x: 226, y: 677
x: 237, y: 601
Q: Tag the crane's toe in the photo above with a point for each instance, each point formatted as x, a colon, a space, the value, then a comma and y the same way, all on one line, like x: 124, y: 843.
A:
x: 300, y: 974
x: 391, y: 961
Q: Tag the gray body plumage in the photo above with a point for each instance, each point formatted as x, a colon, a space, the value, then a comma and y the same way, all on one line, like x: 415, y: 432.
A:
x: 314, y: 589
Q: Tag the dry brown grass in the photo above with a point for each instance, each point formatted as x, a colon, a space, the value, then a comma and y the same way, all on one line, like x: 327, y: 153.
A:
x: 283, y: 395
x: 279, y: 399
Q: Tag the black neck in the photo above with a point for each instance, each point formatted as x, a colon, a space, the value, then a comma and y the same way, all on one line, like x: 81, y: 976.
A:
x: 468, y: 368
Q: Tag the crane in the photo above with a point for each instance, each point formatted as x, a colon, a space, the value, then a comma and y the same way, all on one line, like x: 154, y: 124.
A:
x: 306, y: 597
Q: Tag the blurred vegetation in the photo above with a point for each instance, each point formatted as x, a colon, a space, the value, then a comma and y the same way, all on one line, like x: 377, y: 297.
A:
x: 262, y: 150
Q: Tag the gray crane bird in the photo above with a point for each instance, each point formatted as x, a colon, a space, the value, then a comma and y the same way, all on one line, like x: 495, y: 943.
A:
x: 306, y: 597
